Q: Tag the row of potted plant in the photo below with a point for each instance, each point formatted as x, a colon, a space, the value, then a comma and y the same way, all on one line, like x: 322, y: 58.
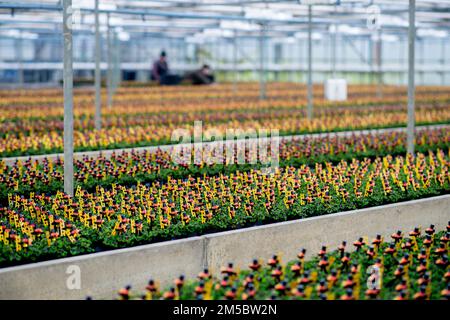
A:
x: 408, y: 266
x: 44, y: 226
x: 128, y: 167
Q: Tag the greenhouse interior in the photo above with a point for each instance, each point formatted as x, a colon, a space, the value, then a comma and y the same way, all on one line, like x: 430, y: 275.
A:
x: 230, y: 150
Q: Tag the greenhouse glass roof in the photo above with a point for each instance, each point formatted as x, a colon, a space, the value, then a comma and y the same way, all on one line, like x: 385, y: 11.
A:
x: 226, y: 18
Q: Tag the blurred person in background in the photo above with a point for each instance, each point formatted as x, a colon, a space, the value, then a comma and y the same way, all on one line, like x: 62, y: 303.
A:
x: 204, y: 75
x: 161, y: 72
x: 160, y: 67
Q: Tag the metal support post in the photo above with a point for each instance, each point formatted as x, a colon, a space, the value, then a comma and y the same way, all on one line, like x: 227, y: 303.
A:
x: 380, y: 64
x: 333, y: 52
x: 68, y: 97
x: 109, y: 53
x: 235, y: 74
x: 19, y: 52
x: 411, y: 75
x: 310, y: 83
x: 262, y: 71
x: 98, y: 79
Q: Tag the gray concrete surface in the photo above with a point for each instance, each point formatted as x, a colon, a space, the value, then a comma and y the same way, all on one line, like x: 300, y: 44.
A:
x: 288, y: 238
x: 102, y: 274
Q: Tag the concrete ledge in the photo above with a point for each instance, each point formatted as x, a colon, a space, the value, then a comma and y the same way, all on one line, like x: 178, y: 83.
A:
x: 102, y: 274
x: 289, y: 237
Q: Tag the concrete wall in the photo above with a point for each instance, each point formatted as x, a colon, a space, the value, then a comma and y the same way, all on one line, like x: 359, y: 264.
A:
x: 102, y: 274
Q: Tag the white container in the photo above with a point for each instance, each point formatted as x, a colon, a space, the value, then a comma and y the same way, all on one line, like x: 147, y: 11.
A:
x: 335, y: 89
